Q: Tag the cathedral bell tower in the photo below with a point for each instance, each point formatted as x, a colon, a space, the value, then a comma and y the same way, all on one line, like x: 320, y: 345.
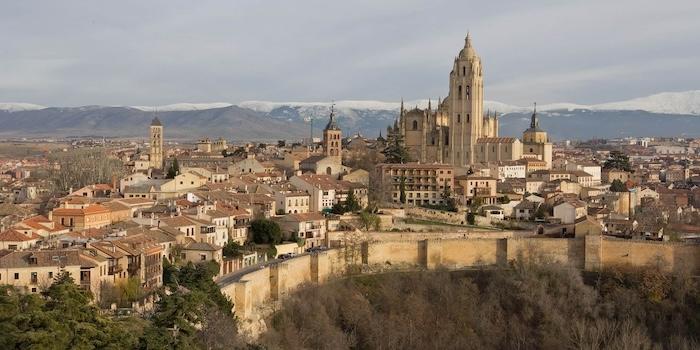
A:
x: 466, y: 100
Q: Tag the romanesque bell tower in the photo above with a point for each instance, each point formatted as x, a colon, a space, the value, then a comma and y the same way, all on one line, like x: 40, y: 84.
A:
x: 156, y: 141
x: 332, y: 136
x: 466, y: 104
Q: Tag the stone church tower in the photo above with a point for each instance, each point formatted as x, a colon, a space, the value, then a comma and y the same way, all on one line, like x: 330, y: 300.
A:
x: 536, y: 143
x: 449, y: 134
x: 332, y: 138
x: 156, y: 141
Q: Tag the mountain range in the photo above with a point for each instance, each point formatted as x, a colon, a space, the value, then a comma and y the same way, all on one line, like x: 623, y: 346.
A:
x: 664, y: 114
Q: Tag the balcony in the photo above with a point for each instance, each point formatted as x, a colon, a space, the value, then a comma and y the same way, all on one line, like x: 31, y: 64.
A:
x: 115, y: 269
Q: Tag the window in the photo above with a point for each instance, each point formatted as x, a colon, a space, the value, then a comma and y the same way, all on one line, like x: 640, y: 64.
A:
x: 459, y: 95
x: 16, y: 275
x: 467, y: 117
x: 464, y: 70
x: 415, y: 125
x: 459, y: 118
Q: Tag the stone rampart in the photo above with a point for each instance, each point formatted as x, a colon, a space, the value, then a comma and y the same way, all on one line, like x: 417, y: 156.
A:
x: 591, y: 253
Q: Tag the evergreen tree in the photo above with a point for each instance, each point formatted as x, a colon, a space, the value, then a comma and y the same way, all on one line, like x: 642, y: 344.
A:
x: 617, y: 160
x: 402, y: 190
x: 395, y: 152
x: 351, y: 203
x: 449, y: 202
x: 338, y: 208
x: 618, y: 186
x: 174, y: 169
x: 266, y: 231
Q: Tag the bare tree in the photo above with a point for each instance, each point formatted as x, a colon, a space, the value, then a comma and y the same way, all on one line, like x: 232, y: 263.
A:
x: 80, y: 167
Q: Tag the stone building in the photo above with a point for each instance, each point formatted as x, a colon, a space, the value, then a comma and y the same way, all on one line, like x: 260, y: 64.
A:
x: 330, y: 162
x: 156, y: 141
x: 536, y: 142
x: 332, y: 136
x: 458, y: 132
x: 423, y: 183
x: 449, y: 133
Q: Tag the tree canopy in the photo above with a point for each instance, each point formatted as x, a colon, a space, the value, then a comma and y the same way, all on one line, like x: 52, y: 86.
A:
x: 174, y: 169
x: 62, y: 317
x: 395, y: 151
x: 617, y: 160
x: 266, y: 231
x: 618, y: 186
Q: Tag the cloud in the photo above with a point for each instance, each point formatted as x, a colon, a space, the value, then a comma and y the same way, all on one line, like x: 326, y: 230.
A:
x: 167, y: 51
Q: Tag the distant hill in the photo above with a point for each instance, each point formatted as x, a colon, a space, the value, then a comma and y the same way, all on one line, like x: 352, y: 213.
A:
x: 230, y: 122
x: 665, y: 114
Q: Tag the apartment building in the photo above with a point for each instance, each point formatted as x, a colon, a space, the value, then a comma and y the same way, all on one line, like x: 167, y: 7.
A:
x: 423, y: 183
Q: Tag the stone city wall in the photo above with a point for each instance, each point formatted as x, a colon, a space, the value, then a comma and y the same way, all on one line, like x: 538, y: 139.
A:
x: 589, y: 253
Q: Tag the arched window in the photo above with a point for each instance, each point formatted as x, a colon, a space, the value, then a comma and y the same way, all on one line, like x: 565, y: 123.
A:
x: 467, y: 91
x: 459, y: 118
x: 329, y: 171
x: 467, y: 117
x: 459, y: 95
x: 415, y: 125
x: 464, y: 70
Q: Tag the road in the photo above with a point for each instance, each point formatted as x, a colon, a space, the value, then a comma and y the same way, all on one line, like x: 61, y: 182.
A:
x: 236, y: 275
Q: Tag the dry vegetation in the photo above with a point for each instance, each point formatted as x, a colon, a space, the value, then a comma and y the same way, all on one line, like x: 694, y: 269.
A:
x: 28, y: 149
x: 518, y: 308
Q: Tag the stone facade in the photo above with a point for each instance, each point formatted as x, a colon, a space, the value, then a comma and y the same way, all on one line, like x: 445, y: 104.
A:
x: 590, y: 253
x: 458, y: 132
x: 156, y: 141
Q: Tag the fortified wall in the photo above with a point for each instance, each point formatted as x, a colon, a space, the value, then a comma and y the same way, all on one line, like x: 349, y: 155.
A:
x: 591, y: 253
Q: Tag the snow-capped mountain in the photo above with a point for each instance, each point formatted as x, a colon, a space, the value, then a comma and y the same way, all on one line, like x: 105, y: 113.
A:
x: 178, y: 107
x: 686, y: 102
x: 665, y: 114
x: 19, y: 106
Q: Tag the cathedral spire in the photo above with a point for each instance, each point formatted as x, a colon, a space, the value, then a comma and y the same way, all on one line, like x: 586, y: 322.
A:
x: 468, y: 40
x: 429, y: 104
x: 401, y: 110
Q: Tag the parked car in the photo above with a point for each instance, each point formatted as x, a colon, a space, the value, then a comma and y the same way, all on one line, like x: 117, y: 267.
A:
x: 316, y: 249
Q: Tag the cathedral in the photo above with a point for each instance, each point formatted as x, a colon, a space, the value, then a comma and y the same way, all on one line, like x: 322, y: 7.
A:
x: 458, y: 132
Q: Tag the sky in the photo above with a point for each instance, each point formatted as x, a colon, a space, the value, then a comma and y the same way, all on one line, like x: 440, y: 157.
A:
x: 156, y: 52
